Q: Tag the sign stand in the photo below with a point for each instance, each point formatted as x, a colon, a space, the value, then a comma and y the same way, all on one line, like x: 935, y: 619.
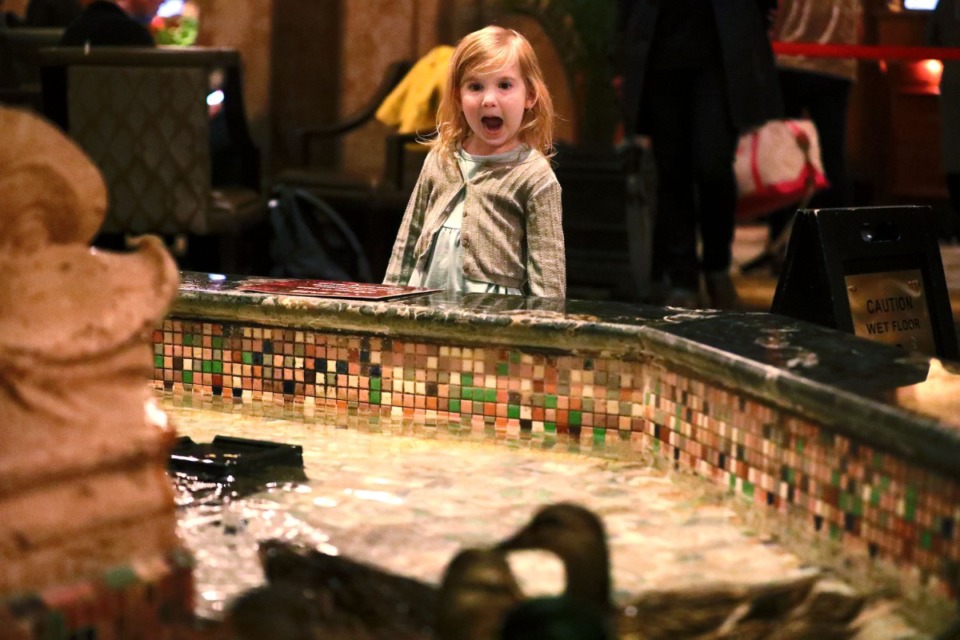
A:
x: 875, y: 272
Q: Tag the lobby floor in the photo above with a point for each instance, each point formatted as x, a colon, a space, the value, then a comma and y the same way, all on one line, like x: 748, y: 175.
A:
x: 756, y: 289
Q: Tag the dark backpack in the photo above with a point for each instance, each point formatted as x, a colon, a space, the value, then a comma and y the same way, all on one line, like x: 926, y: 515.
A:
x: 311, y: 240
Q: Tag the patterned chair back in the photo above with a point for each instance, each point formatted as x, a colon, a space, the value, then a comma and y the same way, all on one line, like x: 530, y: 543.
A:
x: 142, y: 116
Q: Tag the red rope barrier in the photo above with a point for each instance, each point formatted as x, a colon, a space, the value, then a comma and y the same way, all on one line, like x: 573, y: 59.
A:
x: 866, y: 52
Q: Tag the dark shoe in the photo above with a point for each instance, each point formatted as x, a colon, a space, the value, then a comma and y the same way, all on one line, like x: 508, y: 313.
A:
x: 721, y: 291
x: 682, y: 298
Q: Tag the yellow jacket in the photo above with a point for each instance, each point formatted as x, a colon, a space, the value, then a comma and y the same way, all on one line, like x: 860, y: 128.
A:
x: 412, y: 105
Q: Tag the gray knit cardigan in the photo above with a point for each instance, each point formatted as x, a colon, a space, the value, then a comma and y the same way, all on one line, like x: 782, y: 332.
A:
x: 512, y: 233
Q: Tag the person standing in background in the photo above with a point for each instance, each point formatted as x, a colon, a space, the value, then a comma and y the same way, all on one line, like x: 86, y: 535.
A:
x: 695, y: 74
x: 113, y: 23
x: 819, y: 89
x: 943, y: 30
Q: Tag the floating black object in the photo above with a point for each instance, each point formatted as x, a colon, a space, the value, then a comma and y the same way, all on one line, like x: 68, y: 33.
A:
x: 226, y: 456
x: 875, y: 272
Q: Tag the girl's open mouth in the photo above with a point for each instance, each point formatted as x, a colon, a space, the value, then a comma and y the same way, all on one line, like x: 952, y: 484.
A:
x: 492, y: 123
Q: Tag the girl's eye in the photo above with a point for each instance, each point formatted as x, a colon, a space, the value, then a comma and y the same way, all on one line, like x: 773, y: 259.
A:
x: 505, y: 85
x: 474, y: 86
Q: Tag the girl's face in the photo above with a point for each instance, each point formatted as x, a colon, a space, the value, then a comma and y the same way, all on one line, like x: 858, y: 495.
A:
x: 493, y: 105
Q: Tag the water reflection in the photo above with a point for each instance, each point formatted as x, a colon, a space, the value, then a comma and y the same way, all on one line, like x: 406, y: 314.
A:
x: 938, y: 395
x: 408, y: 505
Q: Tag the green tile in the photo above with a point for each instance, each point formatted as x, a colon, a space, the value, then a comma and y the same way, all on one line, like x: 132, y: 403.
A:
x: 911, y: 494
x: 874, y: 496
x: 748, y: 489
x: 910, y: 511
x: 54, y: 627
x: 187, y: 340
x: 599, y: 436
x: 466, y: 393
x: 217, y: 366
x: 206, y: 366
x: 926, y: 540
x: 247, y: 357
x: 217, y: 342
x: 801, y: 443
x: 576, y: 417
x: 550, y: 427
x: 454, y: 405
x: 836, y: 531
x: 550, y: 401
x: 910, y: 504
x: 188, y: 377
x: 466, y: 379
x: 514, y: 357
x: 120, y: 578
x: 835, y: 478
x: 158, y: 362
x: 490, y: 395
x: 375, y: 384
x: 513, y: 411
x: 374, y: 397
x: 503, y: 368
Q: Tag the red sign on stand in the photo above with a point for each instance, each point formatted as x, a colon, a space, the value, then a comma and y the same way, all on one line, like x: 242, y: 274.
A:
x: 333, y: 289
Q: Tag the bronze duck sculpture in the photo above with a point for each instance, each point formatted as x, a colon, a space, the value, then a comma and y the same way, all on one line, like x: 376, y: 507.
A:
x: 336, y: 597
x: 315, y: 595
x: 477, y: 591
x: 575, y: 535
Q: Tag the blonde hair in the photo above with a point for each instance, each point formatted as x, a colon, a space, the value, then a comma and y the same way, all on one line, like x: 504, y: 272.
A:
x: 485, y: 51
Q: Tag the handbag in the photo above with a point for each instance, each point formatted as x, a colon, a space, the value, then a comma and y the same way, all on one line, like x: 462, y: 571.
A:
x: 777, y: 165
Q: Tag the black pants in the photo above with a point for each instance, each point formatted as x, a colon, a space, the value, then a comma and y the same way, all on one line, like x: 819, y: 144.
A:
x: 694, y: 142
x: 823, y: 99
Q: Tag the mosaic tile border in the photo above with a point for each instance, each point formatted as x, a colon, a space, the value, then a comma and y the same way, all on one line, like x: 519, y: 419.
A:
x: 146, y: 600
x: 870, y: 502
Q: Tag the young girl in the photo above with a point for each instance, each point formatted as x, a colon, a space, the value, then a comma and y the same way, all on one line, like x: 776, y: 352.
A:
x: 485, y: 213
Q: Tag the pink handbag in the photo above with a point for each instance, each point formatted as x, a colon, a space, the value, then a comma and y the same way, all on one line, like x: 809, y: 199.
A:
x: 777, y: 165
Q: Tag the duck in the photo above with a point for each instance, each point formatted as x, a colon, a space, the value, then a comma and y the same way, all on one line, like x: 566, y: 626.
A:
x: 585, y: 610
x: 343, y: 597
x: 311, y: 594
x: 477, y: 591
x: 576, y: 535
x: 478, y: 598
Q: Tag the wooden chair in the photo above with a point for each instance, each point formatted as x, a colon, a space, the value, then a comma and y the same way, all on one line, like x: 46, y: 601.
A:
x: 373, y: 207
x: 142, y: 116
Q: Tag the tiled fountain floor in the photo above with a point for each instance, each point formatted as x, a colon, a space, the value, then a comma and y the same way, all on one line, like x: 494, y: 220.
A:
x: 407, y: 504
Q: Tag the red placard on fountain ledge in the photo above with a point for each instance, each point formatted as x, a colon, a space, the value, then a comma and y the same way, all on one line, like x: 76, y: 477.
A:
x: 332, y: 289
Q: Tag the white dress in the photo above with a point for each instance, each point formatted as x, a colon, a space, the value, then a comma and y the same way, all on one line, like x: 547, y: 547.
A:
x: 443, y: 268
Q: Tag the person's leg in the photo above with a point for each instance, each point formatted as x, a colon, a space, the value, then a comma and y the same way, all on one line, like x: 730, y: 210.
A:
x: 714, y: 145
x: 665, y: 114
x: 827, y: 104
x: 953, y: 187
